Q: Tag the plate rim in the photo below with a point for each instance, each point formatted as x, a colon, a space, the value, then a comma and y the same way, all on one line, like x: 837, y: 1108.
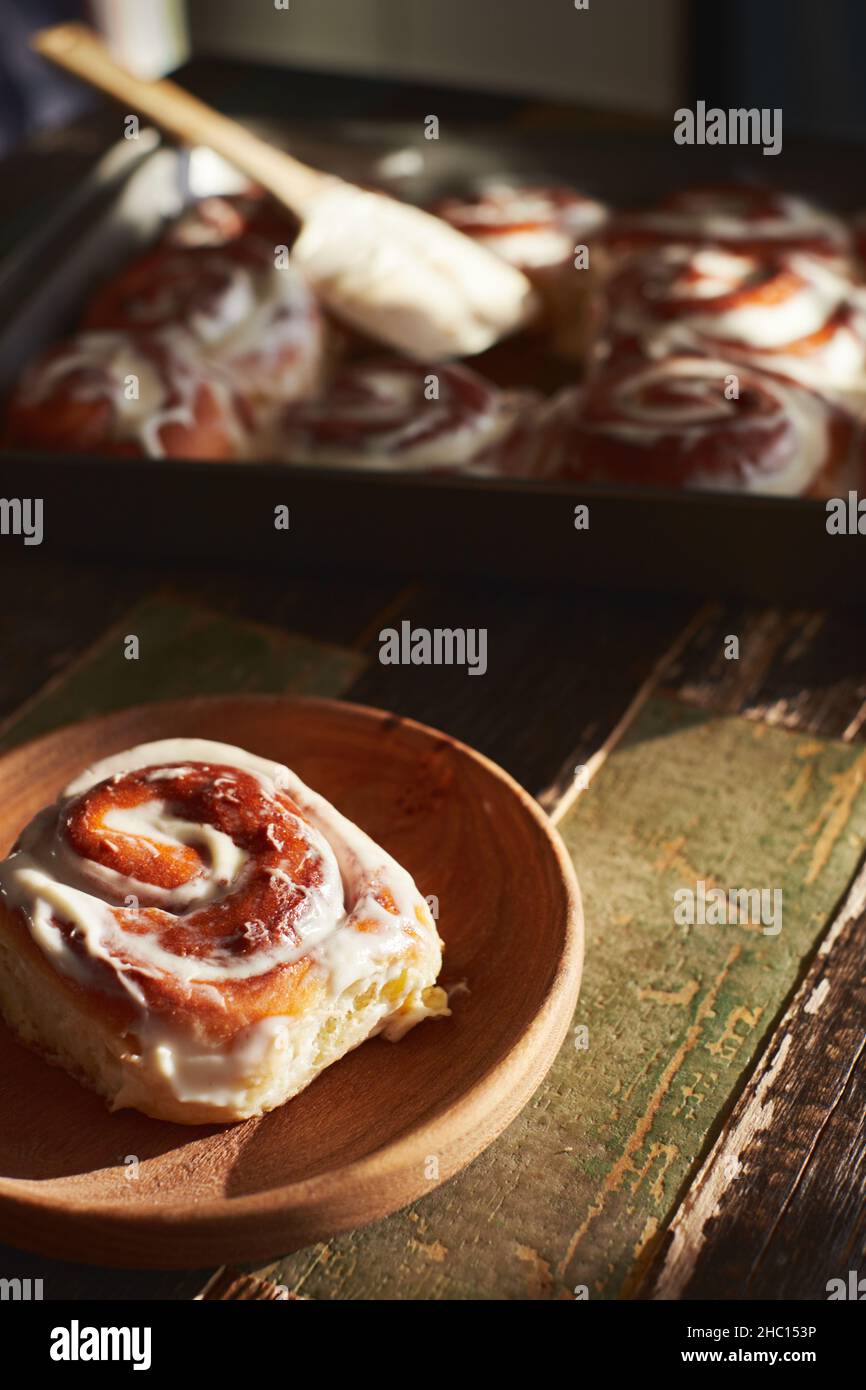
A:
x: 494, y: 1099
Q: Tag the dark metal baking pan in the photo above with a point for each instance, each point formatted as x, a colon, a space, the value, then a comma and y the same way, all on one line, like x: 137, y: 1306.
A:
x: 759, y: 547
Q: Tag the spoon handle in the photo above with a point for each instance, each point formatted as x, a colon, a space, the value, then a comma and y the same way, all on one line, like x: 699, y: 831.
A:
x: 80, y: 51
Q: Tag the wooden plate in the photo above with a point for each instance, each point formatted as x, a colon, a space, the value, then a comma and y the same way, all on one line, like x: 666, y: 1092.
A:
x: 387, y: 1123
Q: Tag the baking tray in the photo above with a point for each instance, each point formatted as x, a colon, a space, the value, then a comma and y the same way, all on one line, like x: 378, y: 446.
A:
x: 652, y: 539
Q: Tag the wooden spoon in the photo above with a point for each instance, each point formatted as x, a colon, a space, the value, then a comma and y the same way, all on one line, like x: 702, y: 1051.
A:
x: 396, y: 273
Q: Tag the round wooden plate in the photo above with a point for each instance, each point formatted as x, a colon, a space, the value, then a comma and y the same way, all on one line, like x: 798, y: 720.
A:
x: 387, y: 1123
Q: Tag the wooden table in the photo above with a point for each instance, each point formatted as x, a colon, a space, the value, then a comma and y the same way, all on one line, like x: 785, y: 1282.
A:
x: 709, y: 1139
x: 702, y: 1132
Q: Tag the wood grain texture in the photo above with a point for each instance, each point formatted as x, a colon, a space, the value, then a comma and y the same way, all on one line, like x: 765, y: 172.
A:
x: 184, y: 649
x: 803, y: 670
x: 385, y: 1124
x: 770, y: 1189
x: 562, y: 669
x: 561, y: 673
x: 230, y: 1286
x: 534, y: 699
x: 577, y: 1190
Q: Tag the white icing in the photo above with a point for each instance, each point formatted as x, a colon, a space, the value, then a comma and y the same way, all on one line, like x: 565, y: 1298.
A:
x: 252, y: 317
x: 794, y: 219
x: 45, y: 878
x: 139, y: 409
x: 816, y: 294
x: 407, y: 278
x: 702, y: 406
x: 434, y: 435
x: 534, y: 247
x: 526, y: 226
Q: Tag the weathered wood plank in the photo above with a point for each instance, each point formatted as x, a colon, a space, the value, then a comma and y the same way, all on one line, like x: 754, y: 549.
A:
x: 184, y: 649
x: 561, y: 671
x: 589, y: 1173
x: 788, y: 1172
x: 57, y: 612
x: 803, y: 670
x: 525, y: 712
x: 229, y: 1285
x: 53, y: 614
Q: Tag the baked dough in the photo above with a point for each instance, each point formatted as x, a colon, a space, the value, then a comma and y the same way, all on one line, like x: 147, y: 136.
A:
x: 192, y: 932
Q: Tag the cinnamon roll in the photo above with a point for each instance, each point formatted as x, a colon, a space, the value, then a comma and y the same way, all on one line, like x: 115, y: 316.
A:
x: 391, y: 413
x: 538, y: 229
x: 121, y: 395
x: 256, y: 319
x: 221, y: 219
x: 698, y: 422
x: 193, y: 933
x: 531, y: 226
x: 785, y: 312
x: 742, y: 217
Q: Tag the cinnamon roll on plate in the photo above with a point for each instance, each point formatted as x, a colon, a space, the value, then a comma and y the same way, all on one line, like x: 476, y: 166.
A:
x: 124, y: 395
x: 192, y: 932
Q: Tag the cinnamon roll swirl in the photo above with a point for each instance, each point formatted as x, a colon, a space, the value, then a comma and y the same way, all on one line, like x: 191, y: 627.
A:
x: 531, y: 226
x: 538, y: 229
x: 742, y: 217
x: 123, y: 395
x: 785, y: 312
x: 194, y: 933
x: 391, y: 413
x: 698, y: 422
x: 253, y: 317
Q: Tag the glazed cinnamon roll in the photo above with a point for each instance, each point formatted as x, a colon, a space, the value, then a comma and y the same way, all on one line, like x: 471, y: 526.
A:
x: 785, y: 312
x: 121, y: 395
x: 742, y: 217
x: 254, y: 318
x: 390, y: 413
x: 192, y: 932
x: 531, y: 226
x: 538, y: 229
x: 698, y: 422
x: 221, y: 219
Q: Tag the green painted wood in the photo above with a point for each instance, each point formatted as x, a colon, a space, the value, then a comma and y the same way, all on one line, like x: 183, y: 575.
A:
x: 577, y: 1189
x: 184, y: 649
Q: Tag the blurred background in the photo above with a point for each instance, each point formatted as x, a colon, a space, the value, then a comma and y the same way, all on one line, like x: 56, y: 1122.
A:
x: 620, y: 58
